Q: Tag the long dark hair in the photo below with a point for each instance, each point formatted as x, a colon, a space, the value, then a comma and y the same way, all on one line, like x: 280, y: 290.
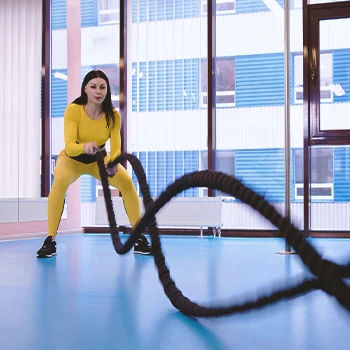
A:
x: 107, y: 105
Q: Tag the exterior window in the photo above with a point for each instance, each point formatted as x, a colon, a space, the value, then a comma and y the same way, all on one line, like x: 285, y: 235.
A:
x: 321, y: 174
x: 223, y: 7
x: 326, y: 73
x: 108, y: 12
x: 225, y: 82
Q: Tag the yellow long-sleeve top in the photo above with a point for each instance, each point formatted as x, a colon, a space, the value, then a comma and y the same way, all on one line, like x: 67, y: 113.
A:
x: 79, y: 129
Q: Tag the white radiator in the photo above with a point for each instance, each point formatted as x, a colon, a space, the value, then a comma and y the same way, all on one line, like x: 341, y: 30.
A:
x: 8, y: 209
x: 25, y: 209
x: 179, y: 212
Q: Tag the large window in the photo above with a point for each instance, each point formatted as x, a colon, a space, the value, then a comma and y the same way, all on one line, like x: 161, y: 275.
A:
x: 168, y: 129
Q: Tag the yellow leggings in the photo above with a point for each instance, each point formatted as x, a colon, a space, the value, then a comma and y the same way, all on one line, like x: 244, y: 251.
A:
x: 68, y: 170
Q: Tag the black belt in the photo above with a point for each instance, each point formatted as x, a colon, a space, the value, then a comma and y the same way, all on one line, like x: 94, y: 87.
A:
x: 88, y: 158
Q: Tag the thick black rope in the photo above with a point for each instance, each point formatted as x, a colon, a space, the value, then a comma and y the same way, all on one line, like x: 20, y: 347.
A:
x: 329, y: 275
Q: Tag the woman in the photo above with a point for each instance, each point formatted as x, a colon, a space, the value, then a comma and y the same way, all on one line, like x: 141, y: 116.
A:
x: 88, y: 123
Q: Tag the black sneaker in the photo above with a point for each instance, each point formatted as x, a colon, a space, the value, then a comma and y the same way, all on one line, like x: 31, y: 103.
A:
x: 142, y: 246
x: 48, y: 249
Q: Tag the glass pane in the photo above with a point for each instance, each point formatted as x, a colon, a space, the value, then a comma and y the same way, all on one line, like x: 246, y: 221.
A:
x: 334, y: 74
x: 250, y: 126
x: 330, y: 188
x: 168, y: 120
x: 330, y: 183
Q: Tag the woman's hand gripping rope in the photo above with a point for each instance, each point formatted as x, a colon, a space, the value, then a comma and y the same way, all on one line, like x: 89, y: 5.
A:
x: 111, y: 170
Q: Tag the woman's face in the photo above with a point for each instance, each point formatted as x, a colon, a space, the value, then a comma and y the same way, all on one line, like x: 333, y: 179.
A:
x: 96, y: 90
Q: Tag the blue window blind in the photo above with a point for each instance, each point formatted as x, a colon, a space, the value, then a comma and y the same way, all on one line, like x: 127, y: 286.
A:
x: 341, y: 174
x: 58, y: 93
x: 84, y: 70
x: 143, y: 159
x: 187, y: 89
x: 88, y: 10
x: 142, y: 76
x: 164, y: 167
x: 58, y: 14
x: 151, y: 172
x: 165, y: 85
x: 191, y: 84
x: 134, y: 87
x: 195, y: 84
x: 260, y: 80
x: 152, y: 9
x: 134, y: 11
x: 179, y: 167
x: 160, y: 85
x: 169, y: 9
x: 151, y: 86
x: 341, y: 73
x: 169, y: 167
x: 262, y: 171
x: 89, y: 13
x: 281, y: 3
x: 187, y: 169
x: 187, y: 9
x: 179, y: 84
x: 248, y: 6
x: 169, y: 81
x: 179, y: 9
x: 195, y: 167
x: 142, y: 10
x: 160, y: 173
x: 88, y: 188
x: 159, y: 10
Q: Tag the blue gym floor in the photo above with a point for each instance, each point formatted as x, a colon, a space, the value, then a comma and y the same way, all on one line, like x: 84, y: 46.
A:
x: 88, y: 297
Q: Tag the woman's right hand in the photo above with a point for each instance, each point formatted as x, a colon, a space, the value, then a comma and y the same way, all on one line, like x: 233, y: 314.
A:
x: 90, y: 147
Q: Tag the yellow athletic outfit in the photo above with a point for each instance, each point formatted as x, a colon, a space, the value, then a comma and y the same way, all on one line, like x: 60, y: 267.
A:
x: 72, y: 162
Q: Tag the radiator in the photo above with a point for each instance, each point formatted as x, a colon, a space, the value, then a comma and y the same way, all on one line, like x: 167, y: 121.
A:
x: 8, y: 209
x: 179, y: 212
x: 25, y: 209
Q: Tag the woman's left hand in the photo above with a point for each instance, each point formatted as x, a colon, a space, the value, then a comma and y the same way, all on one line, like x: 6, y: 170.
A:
x: 112, y: 171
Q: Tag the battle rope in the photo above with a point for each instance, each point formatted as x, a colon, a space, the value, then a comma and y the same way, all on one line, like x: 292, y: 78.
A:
x: 329, y: 274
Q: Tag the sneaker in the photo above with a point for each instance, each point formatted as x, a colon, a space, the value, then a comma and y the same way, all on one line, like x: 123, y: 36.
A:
x: 142, y: 246
x: 48, y: 249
